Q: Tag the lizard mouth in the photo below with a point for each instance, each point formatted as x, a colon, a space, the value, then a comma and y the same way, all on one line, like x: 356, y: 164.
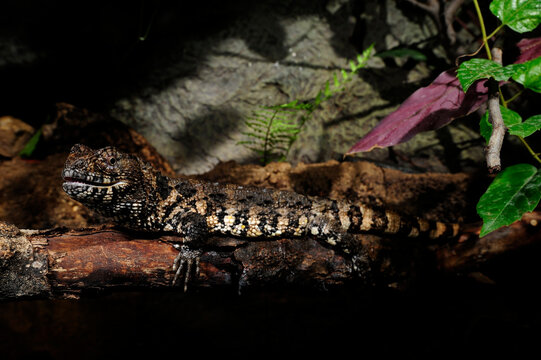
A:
x: 72, y: 178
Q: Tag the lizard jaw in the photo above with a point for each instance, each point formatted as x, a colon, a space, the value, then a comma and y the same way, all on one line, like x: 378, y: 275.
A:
x: 83, y: 186
x: 75, y: 178
x: 80, y: 182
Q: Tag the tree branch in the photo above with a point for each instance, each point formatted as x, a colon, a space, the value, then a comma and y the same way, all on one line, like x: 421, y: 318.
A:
x: 498, y: 128
x: 61, y: 263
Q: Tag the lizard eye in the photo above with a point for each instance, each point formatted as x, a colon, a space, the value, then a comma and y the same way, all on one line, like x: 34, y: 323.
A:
x: 112, y: 161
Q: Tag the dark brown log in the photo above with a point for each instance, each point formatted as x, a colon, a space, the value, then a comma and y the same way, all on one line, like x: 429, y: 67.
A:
x: 62, y: 263
x: 471, y: 252
x: 66, y: 263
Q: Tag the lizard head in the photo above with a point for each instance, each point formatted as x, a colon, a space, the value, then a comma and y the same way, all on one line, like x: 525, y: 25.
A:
x: 106, y: 180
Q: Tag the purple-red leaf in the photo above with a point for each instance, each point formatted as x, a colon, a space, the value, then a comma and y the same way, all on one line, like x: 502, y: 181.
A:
x: 529, y: 49
x: 428, y: 108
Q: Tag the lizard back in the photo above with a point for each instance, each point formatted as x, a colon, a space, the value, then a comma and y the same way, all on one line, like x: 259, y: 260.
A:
x: 132, y: 193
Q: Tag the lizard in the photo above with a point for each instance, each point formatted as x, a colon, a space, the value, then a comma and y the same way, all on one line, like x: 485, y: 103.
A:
x: 133, y: 194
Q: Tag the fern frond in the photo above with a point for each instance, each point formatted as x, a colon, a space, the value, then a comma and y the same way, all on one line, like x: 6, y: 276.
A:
x: 275, y: 128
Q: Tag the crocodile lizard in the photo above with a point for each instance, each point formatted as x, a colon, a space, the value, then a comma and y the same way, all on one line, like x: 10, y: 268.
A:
x: 133, y: 194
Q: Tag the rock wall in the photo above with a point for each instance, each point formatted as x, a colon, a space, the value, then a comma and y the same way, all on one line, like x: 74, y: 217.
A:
x: 187, y: 76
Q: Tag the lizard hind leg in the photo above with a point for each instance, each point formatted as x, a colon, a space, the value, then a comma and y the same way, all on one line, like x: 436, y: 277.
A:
x: 331, y: 231
x: 186, y: 263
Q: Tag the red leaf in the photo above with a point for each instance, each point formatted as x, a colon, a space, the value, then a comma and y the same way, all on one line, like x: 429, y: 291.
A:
x: 529, y: 49
x: 428, y: 108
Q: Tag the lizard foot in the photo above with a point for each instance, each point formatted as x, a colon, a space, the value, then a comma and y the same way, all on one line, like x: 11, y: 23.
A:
x: 187, y: 261
x: 361, y: 264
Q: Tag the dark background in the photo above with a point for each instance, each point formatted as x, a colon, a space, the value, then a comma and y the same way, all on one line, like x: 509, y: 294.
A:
x: 449, y: 320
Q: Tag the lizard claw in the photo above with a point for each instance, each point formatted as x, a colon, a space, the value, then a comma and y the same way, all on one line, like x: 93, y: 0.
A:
x: 361, y: 264
x: 187, y: 261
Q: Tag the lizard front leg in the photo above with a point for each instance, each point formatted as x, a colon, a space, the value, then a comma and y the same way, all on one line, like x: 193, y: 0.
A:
x: 186, y: 259
x: 193, y: 228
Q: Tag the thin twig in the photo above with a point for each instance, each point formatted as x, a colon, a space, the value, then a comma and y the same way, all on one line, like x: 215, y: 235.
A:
x: 431, y: 6
x: 495, y: 31
x: 498, y: 128
x: 449, y: 15
x: 457, y: 63
x: 514, y: 97
x: 530, y: 150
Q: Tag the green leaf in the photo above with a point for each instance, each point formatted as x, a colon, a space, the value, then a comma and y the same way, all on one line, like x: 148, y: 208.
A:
x: 345, y: 74
x: 510, y: 118
x: 475, y: 69
x: 513, y: 192
x: 519, y: 15
x: 289, y: 105
x: 485, y: 127
x: 526, y: 128
x: 403, y: 52
x: 319, y: 97
x: 31, y: 145
x: 327, y: 91
x: 336, y: 82
x: 529, y: 74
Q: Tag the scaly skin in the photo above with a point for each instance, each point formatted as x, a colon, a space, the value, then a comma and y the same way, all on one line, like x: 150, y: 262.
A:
x: 128, y: 190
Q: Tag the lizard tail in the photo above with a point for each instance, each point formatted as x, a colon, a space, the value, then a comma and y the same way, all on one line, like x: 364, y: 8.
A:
x: 371, y: 219
x: 434, y: 229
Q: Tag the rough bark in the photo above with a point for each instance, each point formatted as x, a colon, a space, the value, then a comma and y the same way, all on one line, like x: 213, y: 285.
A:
x: 495, y: 143
x: 66, y: 263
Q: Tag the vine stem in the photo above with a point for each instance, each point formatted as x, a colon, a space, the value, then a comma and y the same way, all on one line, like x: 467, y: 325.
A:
x: 489, y: 55
x: 514, y: 97
x: 483, y: 30
x: 495, y: 31
x: 530, y: 150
